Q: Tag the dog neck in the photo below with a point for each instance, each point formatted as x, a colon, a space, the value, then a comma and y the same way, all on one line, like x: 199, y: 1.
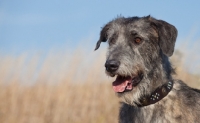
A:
x: 157, y: 95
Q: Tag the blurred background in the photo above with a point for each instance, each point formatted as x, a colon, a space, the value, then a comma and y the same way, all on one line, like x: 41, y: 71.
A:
x: 49, y: 72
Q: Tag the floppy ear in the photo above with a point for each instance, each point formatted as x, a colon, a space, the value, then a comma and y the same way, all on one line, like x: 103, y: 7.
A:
x: 167, y: 35
x: 103, y: 36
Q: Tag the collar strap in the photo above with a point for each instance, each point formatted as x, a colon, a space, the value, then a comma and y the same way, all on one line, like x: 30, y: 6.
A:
x: 157, y: 95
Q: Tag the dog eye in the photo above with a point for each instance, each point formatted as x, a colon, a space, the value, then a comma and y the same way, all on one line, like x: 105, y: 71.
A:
x: 111, y: 41
x: 137, y: 40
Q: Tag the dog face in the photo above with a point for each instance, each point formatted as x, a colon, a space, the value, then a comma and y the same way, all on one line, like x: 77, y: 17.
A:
x: 137, y: 47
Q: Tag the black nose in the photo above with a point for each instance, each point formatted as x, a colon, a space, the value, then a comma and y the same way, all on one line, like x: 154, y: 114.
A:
x: 112, y: 65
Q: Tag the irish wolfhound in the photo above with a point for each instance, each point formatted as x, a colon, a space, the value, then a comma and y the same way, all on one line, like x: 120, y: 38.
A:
x: 138, y: 56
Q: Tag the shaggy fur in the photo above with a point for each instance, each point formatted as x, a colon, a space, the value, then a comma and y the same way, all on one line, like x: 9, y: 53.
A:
x: 139, y: 48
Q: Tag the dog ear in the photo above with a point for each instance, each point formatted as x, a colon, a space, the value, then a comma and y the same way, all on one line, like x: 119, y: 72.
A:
x: 167, y: 35
x: 103, y: 36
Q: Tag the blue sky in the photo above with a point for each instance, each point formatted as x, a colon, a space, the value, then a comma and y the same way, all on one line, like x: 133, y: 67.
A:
x: 42, y: 25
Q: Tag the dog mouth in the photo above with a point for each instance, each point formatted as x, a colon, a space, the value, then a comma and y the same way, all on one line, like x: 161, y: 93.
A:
x: 124, y: 84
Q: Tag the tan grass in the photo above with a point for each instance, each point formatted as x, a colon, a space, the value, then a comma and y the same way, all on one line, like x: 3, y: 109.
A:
x: 62, y: 88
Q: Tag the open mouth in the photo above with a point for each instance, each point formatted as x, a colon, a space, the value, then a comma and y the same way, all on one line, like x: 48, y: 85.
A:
x: 123, y: 84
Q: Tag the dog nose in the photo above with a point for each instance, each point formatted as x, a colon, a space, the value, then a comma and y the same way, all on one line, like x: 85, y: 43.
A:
x: 112, y: 65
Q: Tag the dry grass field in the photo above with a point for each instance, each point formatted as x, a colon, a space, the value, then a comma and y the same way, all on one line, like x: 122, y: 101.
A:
x: 65, y: 87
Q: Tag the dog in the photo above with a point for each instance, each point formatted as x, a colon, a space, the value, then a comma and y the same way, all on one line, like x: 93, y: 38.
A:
x: 138, y: 55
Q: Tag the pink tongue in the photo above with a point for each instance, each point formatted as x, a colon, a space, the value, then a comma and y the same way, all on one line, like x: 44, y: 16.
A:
x: 121, y: 83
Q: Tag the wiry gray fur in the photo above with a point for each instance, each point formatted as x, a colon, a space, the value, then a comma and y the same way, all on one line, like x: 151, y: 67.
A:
x: 149, y: 58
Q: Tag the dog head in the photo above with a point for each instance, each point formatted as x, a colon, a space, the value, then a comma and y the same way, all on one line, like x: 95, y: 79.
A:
x: 138, y: 54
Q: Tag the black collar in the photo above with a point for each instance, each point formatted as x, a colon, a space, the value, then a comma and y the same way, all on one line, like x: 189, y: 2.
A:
x: 157, y: 95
